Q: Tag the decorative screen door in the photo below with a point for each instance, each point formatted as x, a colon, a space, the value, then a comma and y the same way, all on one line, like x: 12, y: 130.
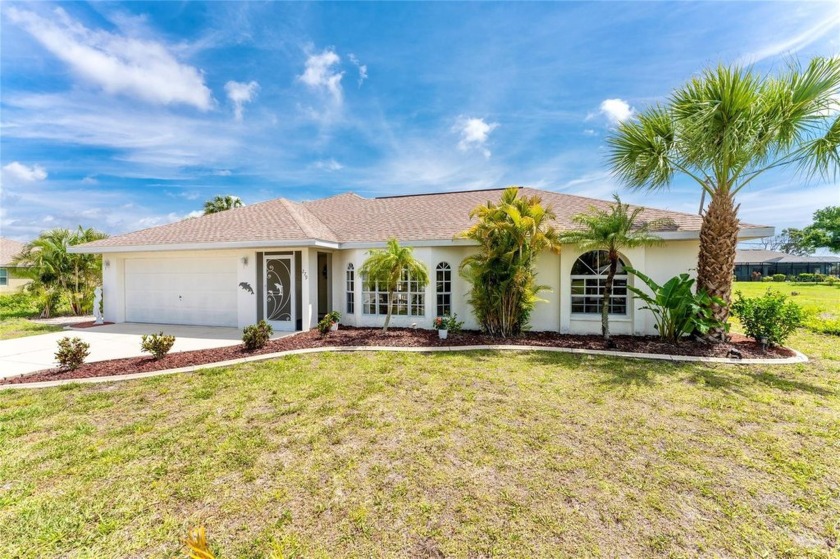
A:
x: 279, y: 300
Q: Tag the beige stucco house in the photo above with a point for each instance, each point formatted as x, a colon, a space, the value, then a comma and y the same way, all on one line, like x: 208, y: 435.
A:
x: 291, y: 262
x: 9, y: 280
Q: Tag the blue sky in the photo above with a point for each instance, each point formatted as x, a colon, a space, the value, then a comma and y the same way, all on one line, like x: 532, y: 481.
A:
x: 122, y: 116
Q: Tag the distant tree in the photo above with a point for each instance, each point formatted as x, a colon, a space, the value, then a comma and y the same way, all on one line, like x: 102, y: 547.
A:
x: 724, y: 129
x: 612, y: 231
x: 55, y: 271
x: 790, y: 241
x: 390, y: 267
x: 511, y: 235
x: 222, y: 203
x: 825, y: 231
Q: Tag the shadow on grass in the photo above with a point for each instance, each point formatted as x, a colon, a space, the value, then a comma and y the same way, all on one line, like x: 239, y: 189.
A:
x: 788, y: 385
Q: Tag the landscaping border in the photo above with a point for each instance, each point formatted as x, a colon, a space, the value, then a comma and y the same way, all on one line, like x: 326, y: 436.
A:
x: 797, y: 358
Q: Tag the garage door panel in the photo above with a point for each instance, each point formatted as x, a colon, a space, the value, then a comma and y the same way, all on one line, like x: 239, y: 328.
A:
x: 199, y: 291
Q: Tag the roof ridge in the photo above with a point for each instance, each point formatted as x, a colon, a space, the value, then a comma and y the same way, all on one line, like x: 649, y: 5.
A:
x: 296, y: 210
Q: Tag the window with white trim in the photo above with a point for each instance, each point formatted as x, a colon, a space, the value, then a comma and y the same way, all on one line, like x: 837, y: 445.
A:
x: 4, y: 276
x: 443, y: 289
x: 409, y: 297
x: 589, y: 277
x: 351, y: 289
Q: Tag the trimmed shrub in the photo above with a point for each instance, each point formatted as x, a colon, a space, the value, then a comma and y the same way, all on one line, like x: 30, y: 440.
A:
x: 779, y: 277
x: 157, y: 344
x: 805, y: 277
x: 766, y: 279
x: 71, y: 353
x: 819, y: 278
x: 770, y: 318
x: 325, y: 325
x: 830, y: 280
x: 257, y: 335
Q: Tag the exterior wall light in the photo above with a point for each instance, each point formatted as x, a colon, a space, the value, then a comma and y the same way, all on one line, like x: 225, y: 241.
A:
x: 244, y: 260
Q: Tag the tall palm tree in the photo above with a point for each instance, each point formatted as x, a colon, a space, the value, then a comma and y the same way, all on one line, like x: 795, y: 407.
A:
x: 612, y: 231
x: 389, y: 266
x: 222, y: 203
x: 55, y: 271
x: 724, y: 129
x: 511, y: 234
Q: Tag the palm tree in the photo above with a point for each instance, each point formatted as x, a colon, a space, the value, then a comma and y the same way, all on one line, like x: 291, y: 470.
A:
x: 510, y: 234
x: 389, y: 266
x: 724, y: 129
x: 222, y: 203
x: 55, y: 271
x: 612, y: 231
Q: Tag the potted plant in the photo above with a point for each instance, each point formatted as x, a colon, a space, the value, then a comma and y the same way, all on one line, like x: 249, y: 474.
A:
x: 441, y: 324
x: 333, y: 317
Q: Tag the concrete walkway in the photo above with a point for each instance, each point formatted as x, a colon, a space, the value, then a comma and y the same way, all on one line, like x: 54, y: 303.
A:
x: 113, y: 341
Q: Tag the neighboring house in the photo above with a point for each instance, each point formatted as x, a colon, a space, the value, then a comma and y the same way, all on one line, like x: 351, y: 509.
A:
x: 291, y: 262
x: 750, y: 263
x: 9, y: 281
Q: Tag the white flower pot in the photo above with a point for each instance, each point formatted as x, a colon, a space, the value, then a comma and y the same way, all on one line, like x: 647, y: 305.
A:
x: 443, y: 334
x: 334, y: 327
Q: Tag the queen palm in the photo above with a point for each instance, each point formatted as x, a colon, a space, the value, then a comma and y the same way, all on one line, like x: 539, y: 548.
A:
x: 389, y: 268
x: 724, y: 129
x: 221, y: 203
x: 612, y: 231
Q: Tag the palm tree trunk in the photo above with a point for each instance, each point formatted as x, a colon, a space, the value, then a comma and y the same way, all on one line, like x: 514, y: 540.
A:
x: 605, y: 307
x: 716, y: 262
x: 390, y: 308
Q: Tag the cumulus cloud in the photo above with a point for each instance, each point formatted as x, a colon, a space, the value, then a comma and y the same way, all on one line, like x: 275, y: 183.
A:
x: 363, y: 70
x: 240, y: 93
x: 24, y: 173
x: 143, y: 69
x: 616, y: 110
x: 321, y: 75
x: 329, y: 165
x: 474, y: 134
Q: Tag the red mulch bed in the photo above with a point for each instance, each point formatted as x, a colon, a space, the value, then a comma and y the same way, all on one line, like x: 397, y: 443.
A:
x: 404, y: 337
x: 89, y: 324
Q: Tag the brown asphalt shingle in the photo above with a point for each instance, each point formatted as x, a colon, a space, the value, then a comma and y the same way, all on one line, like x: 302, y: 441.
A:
x: 8, y: 250
x: 351, y: 218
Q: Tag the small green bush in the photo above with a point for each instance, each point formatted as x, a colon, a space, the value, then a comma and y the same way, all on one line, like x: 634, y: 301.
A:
x: 819, y: 278
x: 770, y: 318
x: 779, y: 277
x: 830, y: 280
x: 71, y: 353
x: 19, y: 305
x: 257, y: 335
x: 157, y: 344
x: 325, y: 325
x: 805, y: 277
x: 766, y: 279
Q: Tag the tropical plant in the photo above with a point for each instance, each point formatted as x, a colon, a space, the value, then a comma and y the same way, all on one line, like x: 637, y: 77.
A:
x: 388, y: 268
x: 71, y: 353
x: 612, y: 230
x: 724, y: 129
x: 677, y: 310
x: 222, y: 203
x: 257, y: 335
x: 157, y: 344
x: 511, y: 234
x: 55, y: 271
x: 768, y: 319
x: 448, y: 323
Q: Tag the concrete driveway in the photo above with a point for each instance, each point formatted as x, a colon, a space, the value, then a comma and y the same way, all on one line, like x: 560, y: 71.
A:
x: 113, y: 341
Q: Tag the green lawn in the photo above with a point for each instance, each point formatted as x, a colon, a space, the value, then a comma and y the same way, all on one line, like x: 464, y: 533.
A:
x: 459, y: 454
x: 820, y: 301
x: 15, y: 308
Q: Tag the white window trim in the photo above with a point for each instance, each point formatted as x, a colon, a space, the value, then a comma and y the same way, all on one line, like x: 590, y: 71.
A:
x: 448, y: 269
x: 376, y: 292
x: 597, y: 316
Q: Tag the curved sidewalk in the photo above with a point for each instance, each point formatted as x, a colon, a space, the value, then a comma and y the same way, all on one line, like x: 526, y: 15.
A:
x: 798, y: 358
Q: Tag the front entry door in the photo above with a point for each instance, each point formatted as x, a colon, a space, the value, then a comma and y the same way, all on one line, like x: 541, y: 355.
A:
x: 279, y: 300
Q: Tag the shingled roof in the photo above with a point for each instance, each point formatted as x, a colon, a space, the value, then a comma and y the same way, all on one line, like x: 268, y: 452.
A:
x: 8, y: 250
x: 760, y: 256
x: 349, y: 218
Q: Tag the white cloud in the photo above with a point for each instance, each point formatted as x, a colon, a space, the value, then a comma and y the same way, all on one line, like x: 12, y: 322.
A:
x: 363, y: 69
x: 589, y: 132
x: 792, y: 45
x: 474, y: 134
x: 24, y: 173
x: 143, y: 69
x: 616, y: 110
x: 90, y: 180
x: 320, y: 74
x: 240, y: 93
x: 329, y: 165
x: 222, y: 173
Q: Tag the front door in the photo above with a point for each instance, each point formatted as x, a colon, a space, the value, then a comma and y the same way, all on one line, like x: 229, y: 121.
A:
x: 279, y: 300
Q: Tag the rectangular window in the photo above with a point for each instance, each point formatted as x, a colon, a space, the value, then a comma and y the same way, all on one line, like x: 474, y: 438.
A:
x: 351, y: 290
x: 588, y: 295
x: 4, y: 276
x: 443, y: 289
x: 409, y: 298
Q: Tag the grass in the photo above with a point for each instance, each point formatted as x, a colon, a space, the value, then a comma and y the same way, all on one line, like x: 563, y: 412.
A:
x: 447, y: 454
x: 820, y: 301
x: 15, y: 308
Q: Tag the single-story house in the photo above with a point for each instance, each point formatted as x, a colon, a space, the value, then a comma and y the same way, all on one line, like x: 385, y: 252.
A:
x: 9, y: 281
x: 753, y: 264
x: 291, y: 262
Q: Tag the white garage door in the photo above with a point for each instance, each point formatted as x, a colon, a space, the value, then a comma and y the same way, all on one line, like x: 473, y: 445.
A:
x: 199, y: 291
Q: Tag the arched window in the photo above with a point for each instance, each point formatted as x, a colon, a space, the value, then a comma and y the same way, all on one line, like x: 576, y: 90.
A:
x: 589, y: 275
x: 443, y: 289
x: 351, y: 291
